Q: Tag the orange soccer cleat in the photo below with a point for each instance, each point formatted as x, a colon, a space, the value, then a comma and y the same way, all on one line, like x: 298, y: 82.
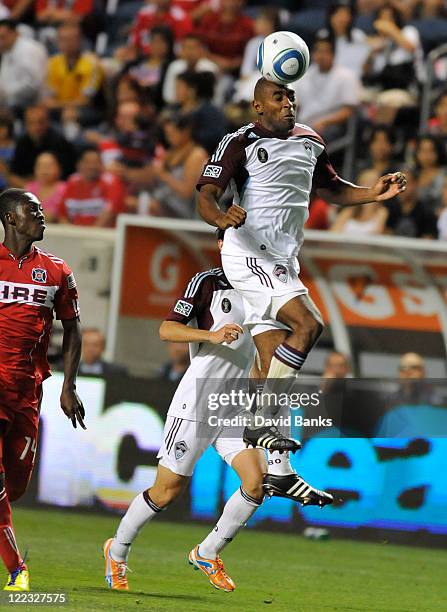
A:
x: 115, y: 572
x: 214, y: 569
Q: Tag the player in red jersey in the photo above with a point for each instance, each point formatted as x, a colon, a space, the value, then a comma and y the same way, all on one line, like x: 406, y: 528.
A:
x: 33, y: 286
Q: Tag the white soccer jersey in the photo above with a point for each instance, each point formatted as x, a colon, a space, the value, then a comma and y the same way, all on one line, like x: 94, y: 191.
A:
x: 209, y: 302
x: 272, y: 177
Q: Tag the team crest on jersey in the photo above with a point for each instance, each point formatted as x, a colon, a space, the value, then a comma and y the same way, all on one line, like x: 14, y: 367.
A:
x: 183, y: 308
x: 308, y: 146
x: 226, y: 305
x: 281, y: 273
x: 212, y: 171
x: 180, y: 449
x: 262, y: 155
x: 39, y: 275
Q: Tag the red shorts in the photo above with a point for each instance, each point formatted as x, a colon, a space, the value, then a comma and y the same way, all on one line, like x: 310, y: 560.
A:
x: 20, y: 398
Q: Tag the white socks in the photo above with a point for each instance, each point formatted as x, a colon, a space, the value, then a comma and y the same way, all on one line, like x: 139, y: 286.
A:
x: 279, y: 463
x: 238, y: 509
x: 141, y: 510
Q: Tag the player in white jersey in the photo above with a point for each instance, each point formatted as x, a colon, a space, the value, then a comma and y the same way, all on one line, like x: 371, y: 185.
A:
x: 219, y: 350
x: 272, y: 166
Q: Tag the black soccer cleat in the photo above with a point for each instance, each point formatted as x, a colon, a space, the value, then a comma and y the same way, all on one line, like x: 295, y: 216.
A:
x: 292, y: 486
x: 269, y: 438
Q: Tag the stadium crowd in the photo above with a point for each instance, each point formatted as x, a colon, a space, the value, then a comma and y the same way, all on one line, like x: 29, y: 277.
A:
x: 108, y: 108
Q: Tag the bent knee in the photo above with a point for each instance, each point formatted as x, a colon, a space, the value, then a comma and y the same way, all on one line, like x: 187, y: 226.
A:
x: 164, y: 495
x: 254, y: 489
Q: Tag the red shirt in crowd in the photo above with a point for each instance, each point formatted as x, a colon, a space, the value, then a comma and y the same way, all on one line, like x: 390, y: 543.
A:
x: 147, y: 18
x: 226, y: 38
x: 84, y: 201
x: 79, y: 7
x: 32, y: 288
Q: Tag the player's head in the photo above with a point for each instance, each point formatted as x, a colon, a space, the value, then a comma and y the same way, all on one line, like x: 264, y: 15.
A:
x: 21, y: 213
x: 220, y: 233
x: 275, y: 106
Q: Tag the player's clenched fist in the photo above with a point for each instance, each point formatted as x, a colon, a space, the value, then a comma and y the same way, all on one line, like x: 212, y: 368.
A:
x: 226, y: 334
x: 234, y: 217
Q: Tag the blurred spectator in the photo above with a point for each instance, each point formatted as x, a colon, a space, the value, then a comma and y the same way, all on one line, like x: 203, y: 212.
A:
x: 74, y: 77
x: 320, y: 214
x: 149, y: 72
x: 154, y: 13
x: 225, y: 33
x: 39, y: 136
x: 431, y: 171
x: 176, y: 175
x: 411, y: 365
x: 92, y: 361
x: 382, y: 141
x: 192, y: 56
x: 351, y: 44
x: 336, y: 366
x: 47, y: 185
x: 327, y: 94
x: 6, y: 146
x: 178, y: 362
x: 406, y: 214
x: 23, y: 64
x: 55, y: 12
x: 194, y: 90
x: 442, y: 214
x: 92, y: 196
x: 266, y: 22
x: 395, y: 64
x: 438, y: 124
x: 130, y: 146
x: 363, y: 220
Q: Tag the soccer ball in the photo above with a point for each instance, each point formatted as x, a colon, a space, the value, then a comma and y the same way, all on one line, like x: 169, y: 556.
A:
x: 283, y: 57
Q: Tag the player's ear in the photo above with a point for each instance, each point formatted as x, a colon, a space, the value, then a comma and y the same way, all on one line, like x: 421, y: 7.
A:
x: 258, y: 107
x: 10, y: 218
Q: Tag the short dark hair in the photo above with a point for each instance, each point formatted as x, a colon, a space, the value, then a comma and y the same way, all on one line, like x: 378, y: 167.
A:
x: 9, y: 200
x: 324, y: 36
x: 88, y: 149
x: 202, y: 82
x: 384, y: 128
x: 11, y: 24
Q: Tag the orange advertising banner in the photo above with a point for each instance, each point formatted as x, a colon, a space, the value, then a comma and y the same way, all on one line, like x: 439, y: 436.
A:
x: 158, y: 264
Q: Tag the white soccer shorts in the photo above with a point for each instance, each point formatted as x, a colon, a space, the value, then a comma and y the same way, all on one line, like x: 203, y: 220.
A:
x: 185, y: 441
x: 265, y: 286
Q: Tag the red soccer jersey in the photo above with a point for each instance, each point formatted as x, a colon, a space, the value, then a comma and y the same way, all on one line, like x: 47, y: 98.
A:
x: 31, y: 289
x: 84, y: 201
x: 147, y: 18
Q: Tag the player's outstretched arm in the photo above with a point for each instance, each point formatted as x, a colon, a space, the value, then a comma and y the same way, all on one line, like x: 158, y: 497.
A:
x: 173, y: 331
x: 208, y: 208
x: 71, y: 350
x: 347, y: 194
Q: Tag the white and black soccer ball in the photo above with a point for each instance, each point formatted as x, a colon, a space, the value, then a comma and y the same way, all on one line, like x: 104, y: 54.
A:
x: 283, y: 57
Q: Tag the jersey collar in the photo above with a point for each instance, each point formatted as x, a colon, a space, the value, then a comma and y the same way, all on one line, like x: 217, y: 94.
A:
x: 6, y: 253
x: 265, y: 132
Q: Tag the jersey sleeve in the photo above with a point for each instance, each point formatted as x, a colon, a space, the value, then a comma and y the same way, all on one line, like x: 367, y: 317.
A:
x: 325, y: 176
x: 66, y: 302
x: 224, y: 164
x: 195, y: 299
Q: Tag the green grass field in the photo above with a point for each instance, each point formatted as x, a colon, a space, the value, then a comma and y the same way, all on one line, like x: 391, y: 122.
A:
x: 271, y: 571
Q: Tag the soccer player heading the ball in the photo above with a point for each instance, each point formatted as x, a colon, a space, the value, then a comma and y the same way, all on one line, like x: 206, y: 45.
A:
x: 33, y: 286
x: 273, y: 166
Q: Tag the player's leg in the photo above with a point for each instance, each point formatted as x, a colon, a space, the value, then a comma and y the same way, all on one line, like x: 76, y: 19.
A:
x: 282, y: 480
x: 174, y: 470
x: 250, y: 466
x: 19, y: 450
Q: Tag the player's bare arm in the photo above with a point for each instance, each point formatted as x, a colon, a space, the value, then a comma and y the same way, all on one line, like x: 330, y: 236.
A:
x: 208, y: 208
x: 173, y: 331
x: 348, y: 194
x: 71, y: 349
